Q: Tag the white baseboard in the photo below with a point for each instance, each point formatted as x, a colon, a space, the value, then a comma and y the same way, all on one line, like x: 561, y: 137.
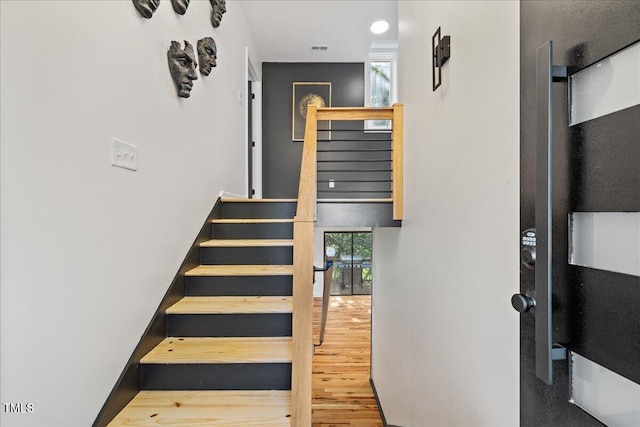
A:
x: 232, y: 195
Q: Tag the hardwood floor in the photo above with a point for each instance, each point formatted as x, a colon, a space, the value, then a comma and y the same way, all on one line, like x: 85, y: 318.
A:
x: 342, y: 395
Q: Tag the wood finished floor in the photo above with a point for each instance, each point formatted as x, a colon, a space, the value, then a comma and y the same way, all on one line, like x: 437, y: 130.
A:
x: 342, y: 395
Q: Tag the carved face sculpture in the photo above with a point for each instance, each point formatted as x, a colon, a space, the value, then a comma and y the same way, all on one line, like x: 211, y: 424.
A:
x: 180, y: 6
x: 219, y: 8
x: 146, y: 7
x: 182, y: 64
x: 207, y: 55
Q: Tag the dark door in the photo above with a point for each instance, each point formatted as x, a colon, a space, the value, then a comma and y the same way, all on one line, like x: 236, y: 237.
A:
x: 593, y: 161
x: 250, y: 96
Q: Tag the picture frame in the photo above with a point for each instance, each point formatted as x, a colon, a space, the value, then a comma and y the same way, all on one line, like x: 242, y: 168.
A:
x: 305, y: 93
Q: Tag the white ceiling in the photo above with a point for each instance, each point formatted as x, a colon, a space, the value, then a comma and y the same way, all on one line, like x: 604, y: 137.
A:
x: 284, y: 30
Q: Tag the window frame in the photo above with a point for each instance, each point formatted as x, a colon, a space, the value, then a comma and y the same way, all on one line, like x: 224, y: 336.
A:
x: 386, y: 56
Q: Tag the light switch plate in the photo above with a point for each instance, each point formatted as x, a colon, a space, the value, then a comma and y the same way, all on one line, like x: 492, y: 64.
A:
x: 124, y: 155
x: 332, y: 183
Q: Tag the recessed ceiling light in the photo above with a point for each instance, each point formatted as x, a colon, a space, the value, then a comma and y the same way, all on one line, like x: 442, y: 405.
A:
x: 379, y: 27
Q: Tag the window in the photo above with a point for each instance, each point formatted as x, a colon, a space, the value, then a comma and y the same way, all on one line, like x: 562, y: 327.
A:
x: 380, y: 81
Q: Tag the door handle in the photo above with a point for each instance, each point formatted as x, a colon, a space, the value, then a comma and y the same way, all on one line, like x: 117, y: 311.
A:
x: 546, y: 74
x: 523, y: 303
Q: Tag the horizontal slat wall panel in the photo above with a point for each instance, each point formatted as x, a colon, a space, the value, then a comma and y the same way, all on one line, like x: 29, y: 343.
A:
x: 368, y: 165
x: 361, y: 185
x: 354, y: 155
x: 352, y: 195
x: 358, y: 161
x: 351, y: 175
x: 351, y: 143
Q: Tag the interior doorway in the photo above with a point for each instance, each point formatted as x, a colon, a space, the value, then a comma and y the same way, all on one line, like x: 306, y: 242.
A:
x: 346, y: 352
x: 352, y: 272
x: 251, y: 140
x: 253, y: 117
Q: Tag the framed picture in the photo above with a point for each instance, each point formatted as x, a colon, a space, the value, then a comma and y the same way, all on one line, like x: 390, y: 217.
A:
x: 309, y: 93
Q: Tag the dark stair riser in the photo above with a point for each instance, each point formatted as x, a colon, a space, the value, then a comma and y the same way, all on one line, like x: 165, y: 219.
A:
x: 276, y: 230
x: 259, y: 210
x: 229, y: 325
x: 229, y: 376
x: 268, y: 255
x: 239, y: 286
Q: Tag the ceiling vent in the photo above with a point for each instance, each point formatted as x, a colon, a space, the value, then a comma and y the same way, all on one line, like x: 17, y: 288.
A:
x: 319, y: 47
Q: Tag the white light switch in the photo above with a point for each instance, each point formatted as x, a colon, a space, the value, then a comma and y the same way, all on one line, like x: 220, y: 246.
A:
x: 332, y: 183
x: 124, y: 155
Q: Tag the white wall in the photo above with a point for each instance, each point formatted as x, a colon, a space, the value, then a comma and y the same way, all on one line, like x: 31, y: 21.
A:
x: 88, y: 250
x: 445, y: 338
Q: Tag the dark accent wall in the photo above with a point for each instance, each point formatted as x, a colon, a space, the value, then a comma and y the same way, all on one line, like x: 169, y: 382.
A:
x: 281, y: 156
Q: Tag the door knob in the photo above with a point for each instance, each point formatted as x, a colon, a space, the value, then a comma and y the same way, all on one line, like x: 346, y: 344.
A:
x: 522, y: 303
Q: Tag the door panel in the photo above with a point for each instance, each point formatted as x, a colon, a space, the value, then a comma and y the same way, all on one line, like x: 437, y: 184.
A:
x: 611, y: 140
x: 605, y: 240
x: 609, y: 397
x: 607, y: 86
x: 596, y: 313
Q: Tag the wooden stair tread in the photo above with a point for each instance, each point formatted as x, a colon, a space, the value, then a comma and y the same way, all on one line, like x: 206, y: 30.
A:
x: 354, y: 200
x: 224, y: 408
x: 232, y: 305
x: 241, y: 270
x: 251, y: 220
x: 175, y: 350
x: 240, y: 243
x: 243, y: 200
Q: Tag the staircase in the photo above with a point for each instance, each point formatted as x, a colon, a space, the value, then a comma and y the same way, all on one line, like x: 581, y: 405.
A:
x: 227, y: 357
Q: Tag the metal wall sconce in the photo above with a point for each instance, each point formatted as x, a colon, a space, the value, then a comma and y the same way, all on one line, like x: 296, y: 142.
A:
x: 441, y: 52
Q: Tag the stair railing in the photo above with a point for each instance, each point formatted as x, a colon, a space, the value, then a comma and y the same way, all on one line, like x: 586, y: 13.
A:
x: 301, y: 382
